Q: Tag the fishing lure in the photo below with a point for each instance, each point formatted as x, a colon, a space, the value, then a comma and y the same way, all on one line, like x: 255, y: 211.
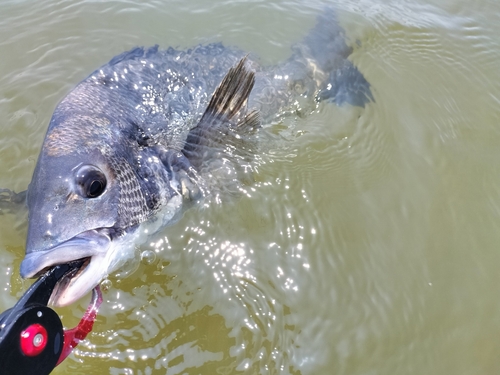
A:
x: 32, y: 338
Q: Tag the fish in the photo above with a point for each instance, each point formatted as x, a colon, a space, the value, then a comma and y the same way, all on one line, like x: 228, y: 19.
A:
x: 136, y: 142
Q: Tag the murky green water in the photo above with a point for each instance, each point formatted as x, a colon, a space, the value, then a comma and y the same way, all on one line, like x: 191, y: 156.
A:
x: 368, y: 243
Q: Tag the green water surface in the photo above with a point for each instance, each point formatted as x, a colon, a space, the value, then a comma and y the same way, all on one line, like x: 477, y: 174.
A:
x: 368, y: 242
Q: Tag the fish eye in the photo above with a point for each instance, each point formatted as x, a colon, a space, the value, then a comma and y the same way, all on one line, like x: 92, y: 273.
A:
x: 91, y: 181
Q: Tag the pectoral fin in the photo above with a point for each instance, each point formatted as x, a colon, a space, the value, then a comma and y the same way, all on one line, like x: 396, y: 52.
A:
x: 12, y: 202
x: 15, y: 204
x: 226, y: 116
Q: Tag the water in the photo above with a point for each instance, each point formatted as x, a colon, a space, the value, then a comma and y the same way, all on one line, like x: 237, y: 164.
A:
x: 368, y: 242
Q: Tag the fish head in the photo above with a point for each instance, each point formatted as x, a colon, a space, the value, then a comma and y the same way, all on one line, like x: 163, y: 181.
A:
x: 73, y: 214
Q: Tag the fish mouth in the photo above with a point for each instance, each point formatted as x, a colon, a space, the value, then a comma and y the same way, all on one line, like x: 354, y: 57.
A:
x: 90, y: 247
x: 66, y: 281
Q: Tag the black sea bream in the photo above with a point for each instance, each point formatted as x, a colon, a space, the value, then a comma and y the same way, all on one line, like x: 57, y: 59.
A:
x: 130, y: 145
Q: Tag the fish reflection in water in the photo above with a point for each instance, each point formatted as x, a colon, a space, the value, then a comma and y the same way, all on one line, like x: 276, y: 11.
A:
x: 150, y: 133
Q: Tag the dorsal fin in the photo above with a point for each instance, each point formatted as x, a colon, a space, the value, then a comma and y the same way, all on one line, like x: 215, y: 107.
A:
x: 226, y: 113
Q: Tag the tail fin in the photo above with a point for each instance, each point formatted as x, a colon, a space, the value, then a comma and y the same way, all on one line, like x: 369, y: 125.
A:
x: 325, y: 48
x: 346, y: 85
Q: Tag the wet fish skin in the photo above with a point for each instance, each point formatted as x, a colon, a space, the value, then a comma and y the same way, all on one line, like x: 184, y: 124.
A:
x: 126, y: 148
x: 101, y: 129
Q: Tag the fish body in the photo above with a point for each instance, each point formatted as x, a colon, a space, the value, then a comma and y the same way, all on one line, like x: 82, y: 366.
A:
x: 128, y: 146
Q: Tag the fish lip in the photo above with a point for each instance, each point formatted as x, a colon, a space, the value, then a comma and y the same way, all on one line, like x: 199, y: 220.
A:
x: 91, y: 246
x: 86, y: 244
